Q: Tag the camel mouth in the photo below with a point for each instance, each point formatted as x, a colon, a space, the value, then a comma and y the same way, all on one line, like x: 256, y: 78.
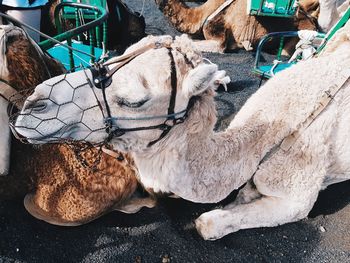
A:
x: 26, y: 136
x: 65, y: 133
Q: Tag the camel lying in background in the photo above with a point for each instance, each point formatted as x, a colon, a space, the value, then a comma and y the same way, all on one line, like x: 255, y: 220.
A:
x: 65, y: 189
x: 164, y: 114
x: 233, y: 28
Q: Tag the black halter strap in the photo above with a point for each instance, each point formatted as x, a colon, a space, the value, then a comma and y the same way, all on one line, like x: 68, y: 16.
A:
x: 102, y: 79
x: 171, y: 108
x: 173, y: 79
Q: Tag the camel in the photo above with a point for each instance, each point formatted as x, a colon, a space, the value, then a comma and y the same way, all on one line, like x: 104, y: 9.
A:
x: 164, y: 114
x: 67, y: 185
x: 233, y: 28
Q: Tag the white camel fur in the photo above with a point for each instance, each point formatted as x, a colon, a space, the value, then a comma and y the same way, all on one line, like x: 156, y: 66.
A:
x: 200, y: 165
x: 330, y: 12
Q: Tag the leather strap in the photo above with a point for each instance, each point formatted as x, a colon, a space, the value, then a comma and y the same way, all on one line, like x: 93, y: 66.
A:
x: 123, y: 60
x: 327, y: 97
x: 11, y: 95
x: 102, y: 74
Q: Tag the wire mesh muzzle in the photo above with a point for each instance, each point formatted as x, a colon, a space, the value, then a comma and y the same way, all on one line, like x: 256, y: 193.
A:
x: 85, y: 152
x: 36, y: 121
x: 13, y: 110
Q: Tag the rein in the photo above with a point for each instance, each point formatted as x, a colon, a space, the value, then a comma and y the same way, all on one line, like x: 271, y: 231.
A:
x: 287, y: 143
x: 327, y: 97
x: 102, y: 79
x: 10, y: 94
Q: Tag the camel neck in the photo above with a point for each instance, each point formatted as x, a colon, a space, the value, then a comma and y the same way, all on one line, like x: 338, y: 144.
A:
x: 203, y: 167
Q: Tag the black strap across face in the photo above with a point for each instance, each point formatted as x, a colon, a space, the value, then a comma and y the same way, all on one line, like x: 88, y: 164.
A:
x: 102, y: 79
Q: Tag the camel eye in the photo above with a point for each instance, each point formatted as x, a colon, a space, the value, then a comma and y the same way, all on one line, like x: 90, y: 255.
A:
x: 124, y: 103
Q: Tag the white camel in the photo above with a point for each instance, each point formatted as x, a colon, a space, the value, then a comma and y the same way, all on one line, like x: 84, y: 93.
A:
x: 196, y: 163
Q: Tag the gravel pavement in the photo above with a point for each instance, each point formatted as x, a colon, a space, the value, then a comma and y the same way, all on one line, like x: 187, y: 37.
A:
x: 166, y: 233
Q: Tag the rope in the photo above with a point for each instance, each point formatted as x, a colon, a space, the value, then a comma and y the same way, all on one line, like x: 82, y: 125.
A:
x: 275, y: 64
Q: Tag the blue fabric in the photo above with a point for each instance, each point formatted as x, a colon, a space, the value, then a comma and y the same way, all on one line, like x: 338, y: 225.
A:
x: 278, y: 68
x: 266, y: 69
x: 61, y: 53
x: 24, y: 3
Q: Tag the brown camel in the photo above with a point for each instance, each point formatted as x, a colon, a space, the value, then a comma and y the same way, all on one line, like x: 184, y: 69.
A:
x: 232, y: 27
x: 65, y: 188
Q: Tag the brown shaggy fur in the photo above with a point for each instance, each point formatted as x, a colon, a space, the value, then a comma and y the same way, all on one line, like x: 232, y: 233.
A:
x: 71, y: 193
x: 63, y: 189
x: 232, y: 26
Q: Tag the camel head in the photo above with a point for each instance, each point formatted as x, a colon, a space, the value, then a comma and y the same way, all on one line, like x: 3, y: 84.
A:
x: 147, y: 95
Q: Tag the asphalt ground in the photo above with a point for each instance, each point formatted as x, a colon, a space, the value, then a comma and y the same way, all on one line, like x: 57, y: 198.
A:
x: 166, y: 233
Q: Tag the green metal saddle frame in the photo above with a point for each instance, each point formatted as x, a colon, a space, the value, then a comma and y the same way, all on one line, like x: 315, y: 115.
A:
x: 268, y: 70
x: 78, y: 53
x: 275, y: 8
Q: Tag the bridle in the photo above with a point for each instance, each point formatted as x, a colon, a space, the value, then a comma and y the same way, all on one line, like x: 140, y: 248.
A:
x: 10, y: 94
x: 102, y: 79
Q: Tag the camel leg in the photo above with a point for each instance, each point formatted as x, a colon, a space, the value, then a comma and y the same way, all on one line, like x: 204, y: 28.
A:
x: 247, y: 194
x: 287, y: 195
x: 135, y: 204
x: 267, y: 211
x: 208, y: 46
x: 289, y: 47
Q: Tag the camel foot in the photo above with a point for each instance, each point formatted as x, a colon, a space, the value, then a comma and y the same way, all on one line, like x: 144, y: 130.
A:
x: 209, y: 225
x: 135, y: 204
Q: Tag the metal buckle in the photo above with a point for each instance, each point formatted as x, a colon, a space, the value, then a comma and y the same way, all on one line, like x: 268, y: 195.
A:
x: 100, y: 76
x: 158, y: 44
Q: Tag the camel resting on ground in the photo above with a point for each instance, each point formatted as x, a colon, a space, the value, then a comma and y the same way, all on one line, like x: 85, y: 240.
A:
x: 163, y: 113
x: 233, y: 28
x: 65, y: 189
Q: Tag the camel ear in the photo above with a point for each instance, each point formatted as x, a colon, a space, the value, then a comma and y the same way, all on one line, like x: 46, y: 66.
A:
x: 202, y: 78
